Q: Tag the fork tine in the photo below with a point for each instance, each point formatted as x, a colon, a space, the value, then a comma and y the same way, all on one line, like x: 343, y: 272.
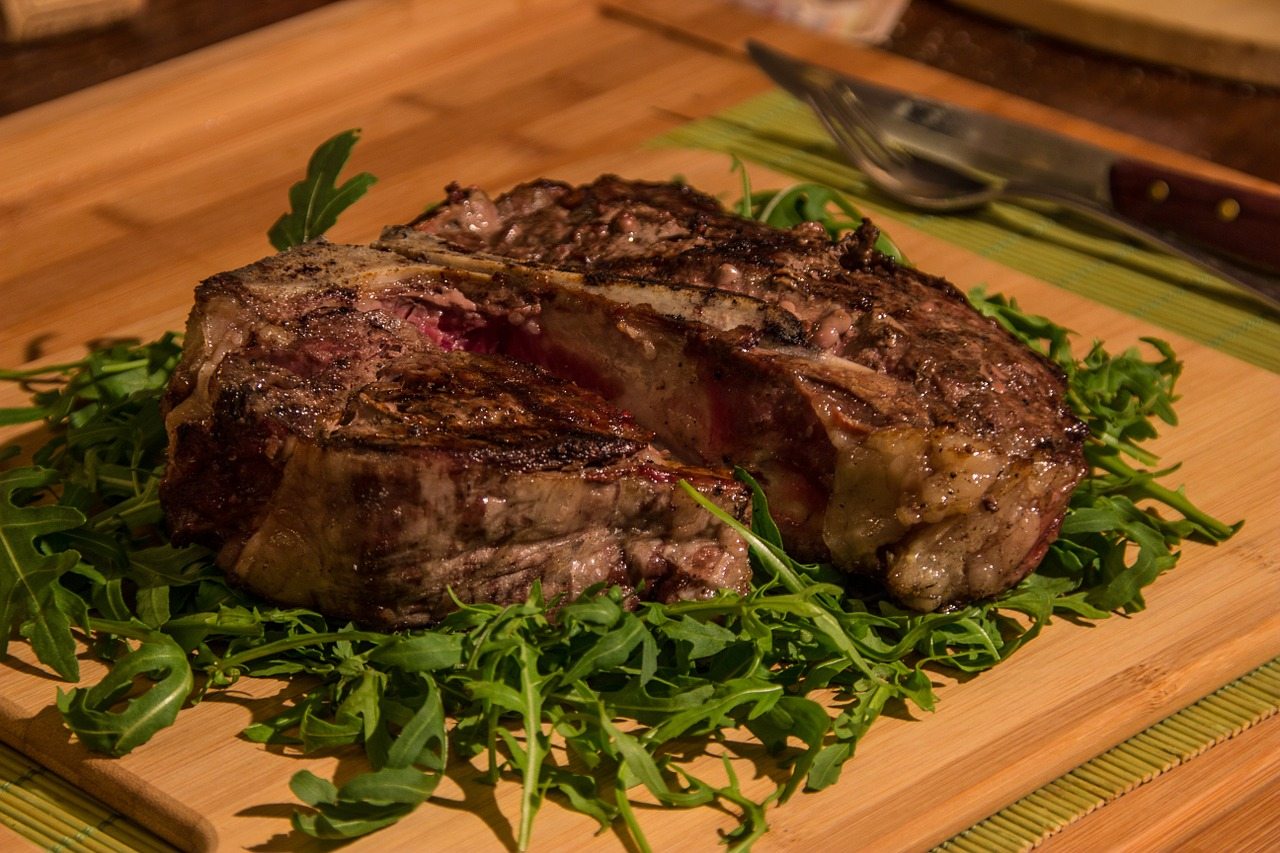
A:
x: 918, y: 182
x: 849, y: 106
x: 861, y: 148
x: 848, y: 112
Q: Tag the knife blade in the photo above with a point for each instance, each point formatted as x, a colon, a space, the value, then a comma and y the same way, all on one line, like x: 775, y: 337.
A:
x: 1229, y: 218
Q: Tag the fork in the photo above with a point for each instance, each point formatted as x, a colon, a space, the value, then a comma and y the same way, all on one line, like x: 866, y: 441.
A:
x: 931, y: 185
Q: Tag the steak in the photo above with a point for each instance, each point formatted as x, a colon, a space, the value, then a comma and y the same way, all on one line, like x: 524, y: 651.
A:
x: 342, y: 431
x: 896, y: 431
x: 509, y: 390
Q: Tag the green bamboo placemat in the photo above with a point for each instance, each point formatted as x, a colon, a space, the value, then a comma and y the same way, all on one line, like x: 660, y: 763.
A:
x: 56, y: 815
x: 777, y: 131
x: 1220, y: 715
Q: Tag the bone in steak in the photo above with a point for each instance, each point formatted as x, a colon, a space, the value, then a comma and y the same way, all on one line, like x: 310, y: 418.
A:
x: 342, y: 433
x: 899, y: 434
x: 508, y: 390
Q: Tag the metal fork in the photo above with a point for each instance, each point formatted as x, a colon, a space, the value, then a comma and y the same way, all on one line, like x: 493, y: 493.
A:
x: 928, y: 184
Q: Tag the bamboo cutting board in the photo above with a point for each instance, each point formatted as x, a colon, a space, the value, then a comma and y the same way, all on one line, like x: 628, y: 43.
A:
x: 119, y: 199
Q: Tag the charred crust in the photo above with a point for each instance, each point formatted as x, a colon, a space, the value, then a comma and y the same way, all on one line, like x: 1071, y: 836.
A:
x: 370, y: 371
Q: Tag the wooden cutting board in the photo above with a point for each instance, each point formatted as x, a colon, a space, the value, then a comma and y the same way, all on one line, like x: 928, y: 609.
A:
x: 117, y: 200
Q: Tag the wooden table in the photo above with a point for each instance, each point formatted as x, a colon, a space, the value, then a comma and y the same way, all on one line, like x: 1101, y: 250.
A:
x: 120, y: 197
x: 1218, y: 120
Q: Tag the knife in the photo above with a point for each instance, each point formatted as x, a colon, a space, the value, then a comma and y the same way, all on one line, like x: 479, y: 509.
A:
x: 1229, y: 218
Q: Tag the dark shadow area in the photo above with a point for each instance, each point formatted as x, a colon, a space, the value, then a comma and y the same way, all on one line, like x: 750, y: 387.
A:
x: 34, y: 671
x: 900, y: 710
x: 36, y: 436
x: 292, y: 841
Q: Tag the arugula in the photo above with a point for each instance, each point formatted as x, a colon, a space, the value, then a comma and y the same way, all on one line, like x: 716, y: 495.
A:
x: 69, y: 518
x: 316, y: 200
x: 808, y: 202
x: 590, y: 707
x: 1120, y: 397
x: 88, y: 711
x: 31, y: 592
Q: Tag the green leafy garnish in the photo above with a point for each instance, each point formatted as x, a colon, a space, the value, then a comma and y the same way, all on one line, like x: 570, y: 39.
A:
x: 588, y: 703
x: 317, y: 199
x: 31, y: 592
x: 88, y: 711
x: 1120, y: 397
x: 808, y: 202
x: 71, y: 514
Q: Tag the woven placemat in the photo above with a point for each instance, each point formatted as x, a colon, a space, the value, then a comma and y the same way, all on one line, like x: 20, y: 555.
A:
x: 1222, y: 714
x: 777, y: 131
x: 55, y: 815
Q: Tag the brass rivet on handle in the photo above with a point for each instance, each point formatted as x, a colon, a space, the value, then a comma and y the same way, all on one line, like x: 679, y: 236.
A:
x: 1159, y: 190
x: 1228, y: 210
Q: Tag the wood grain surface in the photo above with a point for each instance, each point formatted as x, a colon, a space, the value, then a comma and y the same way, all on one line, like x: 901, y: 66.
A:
x: 1219, y: 120
x: 118, y: 199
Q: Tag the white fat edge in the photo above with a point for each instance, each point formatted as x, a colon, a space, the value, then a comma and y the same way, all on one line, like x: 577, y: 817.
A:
x: 718, y: 308
x: 218, y: 335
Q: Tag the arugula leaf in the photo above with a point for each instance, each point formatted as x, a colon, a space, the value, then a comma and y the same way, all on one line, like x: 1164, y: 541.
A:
x: 316, y: 201
x: 810, y: 202
x: 397, y: 784
x: 744, y: 206
x: 423, y: 740
x: 367, y: 803
x: 21, y: 415
x: 31, y: 592
x: 793, y: 717
x: 88, y: 711
x: 421, y: 653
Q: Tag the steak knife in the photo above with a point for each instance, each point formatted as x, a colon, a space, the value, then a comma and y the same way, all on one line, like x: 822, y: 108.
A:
x: 1231, y: 219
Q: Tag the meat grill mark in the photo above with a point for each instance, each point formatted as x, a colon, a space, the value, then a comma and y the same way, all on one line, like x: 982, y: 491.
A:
x: 343, y: 434
x: 509, y: 389
x: 947, y: 449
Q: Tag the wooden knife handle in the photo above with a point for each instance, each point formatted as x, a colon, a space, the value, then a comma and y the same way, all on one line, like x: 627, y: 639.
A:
x: 1226, y: 217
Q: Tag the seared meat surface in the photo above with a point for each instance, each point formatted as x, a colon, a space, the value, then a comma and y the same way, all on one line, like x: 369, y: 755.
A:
x: 897, y: 432
x: 509, y: 389
x: 342, y: 431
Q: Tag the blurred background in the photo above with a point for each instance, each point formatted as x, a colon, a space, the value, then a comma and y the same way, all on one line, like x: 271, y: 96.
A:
x: 1203, y: 78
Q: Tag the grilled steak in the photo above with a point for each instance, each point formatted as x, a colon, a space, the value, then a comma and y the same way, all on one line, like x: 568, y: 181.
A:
x: 896, y: 431
x: 508, y: 390
x: 343, y: 432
